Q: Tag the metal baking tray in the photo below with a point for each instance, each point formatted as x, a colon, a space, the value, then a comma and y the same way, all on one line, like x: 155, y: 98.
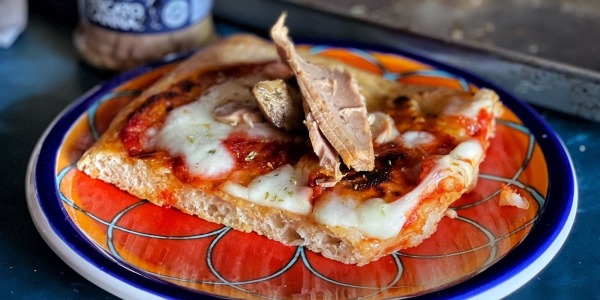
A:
x: 544, y: 52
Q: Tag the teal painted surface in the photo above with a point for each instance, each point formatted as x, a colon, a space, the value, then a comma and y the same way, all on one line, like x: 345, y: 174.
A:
x: 41, y: 74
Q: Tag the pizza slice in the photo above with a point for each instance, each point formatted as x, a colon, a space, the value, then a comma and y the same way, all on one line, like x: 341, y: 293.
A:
x: 302, y: 149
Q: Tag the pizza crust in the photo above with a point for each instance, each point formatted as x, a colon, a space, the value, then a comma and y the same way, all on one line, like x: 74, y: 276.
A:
x: 109, y: 161
x: 145, y: 181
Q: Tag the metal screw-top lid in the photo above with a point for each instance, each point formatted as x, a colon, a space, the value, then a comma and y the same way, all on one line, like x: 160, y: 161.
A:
x: 118, y: 35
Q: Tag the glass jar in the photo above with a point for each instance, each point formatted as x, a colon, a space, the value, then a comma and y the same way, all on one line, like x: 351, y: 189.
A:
x: 121, y: 34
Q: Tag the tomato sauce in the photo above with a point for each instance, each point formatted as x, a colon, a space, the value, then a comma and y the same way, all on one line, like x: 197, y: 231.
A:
x: 398, y: 169
x: 155, y: 108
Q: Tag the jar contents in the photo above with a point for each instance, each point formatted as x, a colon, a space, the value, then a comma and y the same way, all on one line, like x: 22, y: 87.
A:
x: 119, y: 35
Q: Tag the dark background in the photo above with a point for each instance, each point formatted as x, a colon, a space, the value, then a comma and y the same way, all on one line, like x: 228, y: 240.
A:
x: 41, y: 74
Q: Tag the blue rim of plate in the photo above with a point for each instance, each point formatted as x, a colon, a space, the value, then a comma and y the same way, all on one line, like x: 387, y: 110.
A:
x: 541, y: 244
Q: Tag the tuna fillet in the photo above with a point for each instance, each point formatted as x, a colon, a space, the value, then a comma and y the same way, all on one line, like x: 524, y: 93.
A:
x: 332, y: 98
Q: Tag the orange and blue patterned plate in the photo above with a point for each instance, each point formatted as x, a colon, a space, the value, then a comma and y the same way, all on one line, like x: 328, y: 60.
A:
x: 134, y: 249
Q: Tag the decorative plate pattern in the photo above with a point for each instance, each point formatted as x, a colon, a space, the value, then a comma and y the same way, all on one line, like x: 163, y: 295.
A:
x: 166, y: 253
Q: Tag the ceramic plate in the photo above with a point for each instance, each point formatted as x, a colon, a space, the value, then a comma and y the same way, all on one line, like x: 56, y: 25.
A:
x: 134, y: 249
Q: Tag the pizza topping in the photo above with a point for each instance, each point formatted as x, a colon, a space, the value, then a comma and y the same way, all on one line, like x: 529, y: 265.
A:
x: 510, y: 197
x: 451, y: 213
x: 235, y: 112
x: 136, y: 133
x: 284, y: 188
x: 376, y: 218
x: 332, y: 98
x: 192, y: 132
x: 260, y: 170
x: 383, y: 127
x: 220, y: 141
x: 470, y: 106
x: 328, y: 157
x: 143, y: 123
x: 280, y: 103
x: 415, y: 139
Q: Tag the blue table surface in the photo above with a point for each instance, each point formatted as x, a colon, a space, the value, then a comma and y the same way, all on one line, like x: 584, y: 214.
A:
x: 41, y: 74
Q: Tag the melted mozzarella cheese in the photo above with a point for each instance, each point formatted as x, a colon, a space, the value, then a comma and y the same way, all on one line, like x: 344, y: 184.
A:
x: 458, y: 106
x: 414, y: 139
x: 377, y: 219
x: 383, y: 127
x: 261, y: 130
x: 284, y: 188
x: 510, y: 197
x: 192, y: 132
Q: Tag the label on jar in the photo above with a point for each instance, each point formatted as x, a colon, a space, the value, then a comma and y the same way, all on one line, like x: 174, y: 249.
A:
x: 144, y: 16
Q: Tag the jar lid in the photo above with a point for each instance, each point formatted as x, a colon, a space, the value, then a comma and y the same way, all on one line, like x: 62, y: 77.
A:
x: 144, y: 16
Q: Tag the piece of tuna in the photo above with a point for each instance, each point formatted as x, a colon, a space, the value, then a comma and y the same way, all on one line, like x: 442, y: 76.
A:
x: 280, y: 103
x: 333, y: 99
x: 236, y: 112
